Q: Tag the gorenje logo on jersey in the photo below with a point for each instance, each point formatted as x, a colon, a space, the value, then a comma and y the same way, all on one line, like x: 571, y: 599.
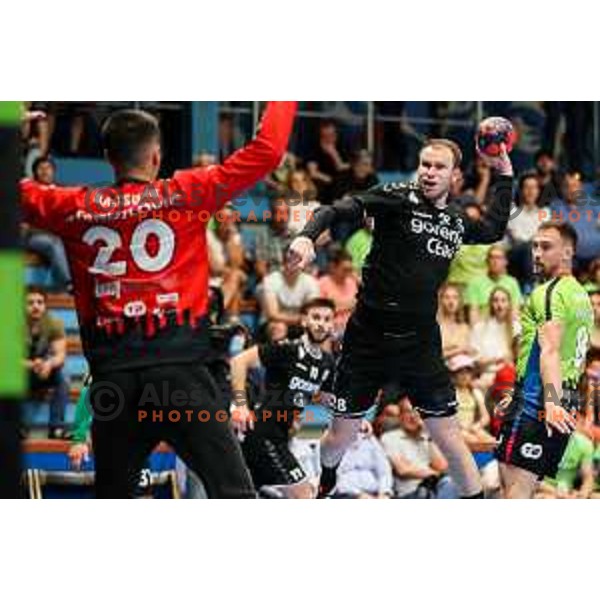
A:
x: 451, y: 239
x: 297, y: 383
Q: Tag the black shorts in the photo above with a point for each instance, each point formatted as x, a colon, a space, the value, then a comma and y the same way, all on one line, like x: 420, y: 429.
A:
x: 133, y: 411
x: 271, y: 462
x: 381, y: 350
x: 524, y: 442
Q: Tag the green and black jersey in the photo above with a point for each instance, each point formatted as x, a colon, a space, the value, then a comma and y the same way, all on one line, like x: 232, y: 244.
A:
x: 564, y: 300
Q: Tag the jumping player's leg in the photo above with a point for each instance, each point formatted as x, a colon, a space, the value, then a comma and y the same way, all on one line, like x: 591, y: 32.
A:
x: 446, y: 433
x: 360, y: 374
x: 434, y: 397
x: 517, y: 483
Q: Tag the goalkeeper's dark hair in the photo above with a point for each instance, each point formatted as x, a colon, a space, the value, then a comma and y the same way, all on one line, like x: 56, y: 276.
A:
x: 126, y: 134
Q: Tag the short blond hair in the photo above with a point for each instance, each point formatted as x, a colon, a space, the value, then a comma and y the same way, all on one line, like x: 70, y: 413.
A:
x: 449, y: 145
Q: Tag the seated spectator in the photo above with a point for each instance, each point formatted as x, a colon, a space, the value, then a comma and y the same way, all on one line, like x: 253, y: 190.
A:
x: 301, y: 195
x: 326, y: 161
x: 359, y: 245
x: 494, y: 338
x: 547, y: 175
x: 591, y: 386
x: 451, y: 318
x: 360, y: 177
x: 284, y: 293
x: 469, y: 262
x: 277, y: 331
x: 341, y: 286
x: 593, y: 277
x: 227, y: 261
x: 277, y: 181
x: 418, y: 466
x: 583, y: 214
x: 479, y: 290
x: 48, y: 246
x: 472, y: 413
x: 522, y: 227
x: 204, y: 159
x: 46, y: 354
x: 364, y: 472
x: 595, y: 339
x: 273, y: 239
x: 575, y: 477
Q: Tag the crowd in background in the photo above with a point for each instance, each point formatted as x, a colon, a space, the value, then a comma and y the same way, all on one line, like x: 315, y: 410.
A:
x: 479, y: 306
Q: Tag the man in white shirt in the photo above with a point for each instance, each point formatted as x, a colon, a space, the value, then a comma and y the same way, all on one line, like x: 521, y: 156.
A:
x: 416, y: 461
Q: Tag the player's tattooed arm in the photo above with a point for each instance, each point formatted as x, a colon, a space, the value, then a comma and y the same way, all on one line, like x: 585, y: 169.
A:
x: 557, y: 418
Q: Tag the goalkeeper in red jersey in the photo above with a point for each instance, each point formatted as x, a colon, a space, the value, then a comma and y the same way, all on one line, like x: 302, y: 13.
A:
x: 138, y: 255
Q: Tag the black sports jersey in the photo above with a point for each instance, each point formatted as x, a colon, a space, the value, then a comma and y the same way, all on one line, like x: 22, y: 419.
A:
x: 295, y: 372
x: 413, y: 241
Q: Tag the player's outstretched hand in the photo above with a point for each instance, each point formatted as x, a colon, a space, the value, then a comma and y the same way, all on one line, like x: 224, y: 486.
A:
x: 501, y: 163
x: 558, y: 419
x: 78, y: 454
x: 242, y: 420
x: 301, y: 253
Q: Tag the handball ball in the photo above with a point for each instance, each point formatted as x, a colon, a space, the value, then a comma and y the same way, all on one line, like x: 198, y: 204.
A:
x: 494, y: 131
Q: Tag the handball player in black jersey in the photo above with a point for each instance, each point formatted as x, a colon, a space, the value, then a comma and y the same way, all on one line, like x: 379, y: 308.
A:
x: 393, y: 336
x: 295, y: 371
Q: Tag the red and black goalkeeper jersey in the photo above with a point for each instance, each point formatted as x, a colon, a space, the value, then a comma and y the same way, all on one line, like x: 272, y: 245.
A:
x: 138, y: 252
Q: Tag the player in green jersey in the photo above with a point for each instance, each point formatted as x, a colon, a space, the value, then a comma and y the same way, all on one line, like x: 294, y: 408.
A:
x: 557, y: 321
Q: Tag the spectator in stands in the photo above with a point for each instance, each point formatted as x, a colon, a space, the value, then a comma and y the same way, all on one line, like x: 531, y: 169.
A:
x: 477, y: 295
x: 494, y: 338
x: 575, y: 477
x: 227, y: 261
x: 451, y: 318
x: 277, y: 181
x: 277, y: 331
x: 359, y: 245
x: 593, y: 278
x: 204, y: 159
x: 472, y: 412
x: 326, y: 161
x: 547, y: 175
x: 418, y: 466
x: 469, y: 263
x: 46, y: 354
x: 284, y: 293
x: 583, y: 214
x: 341, y: 286
x: 522, y: 227
x: 477, y: 183
x: 44, y: 244
x: 273, y: 239
x: 365, y: 472
x: 301, y: 195
x: 360, y: 177
x: 595, y: 339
